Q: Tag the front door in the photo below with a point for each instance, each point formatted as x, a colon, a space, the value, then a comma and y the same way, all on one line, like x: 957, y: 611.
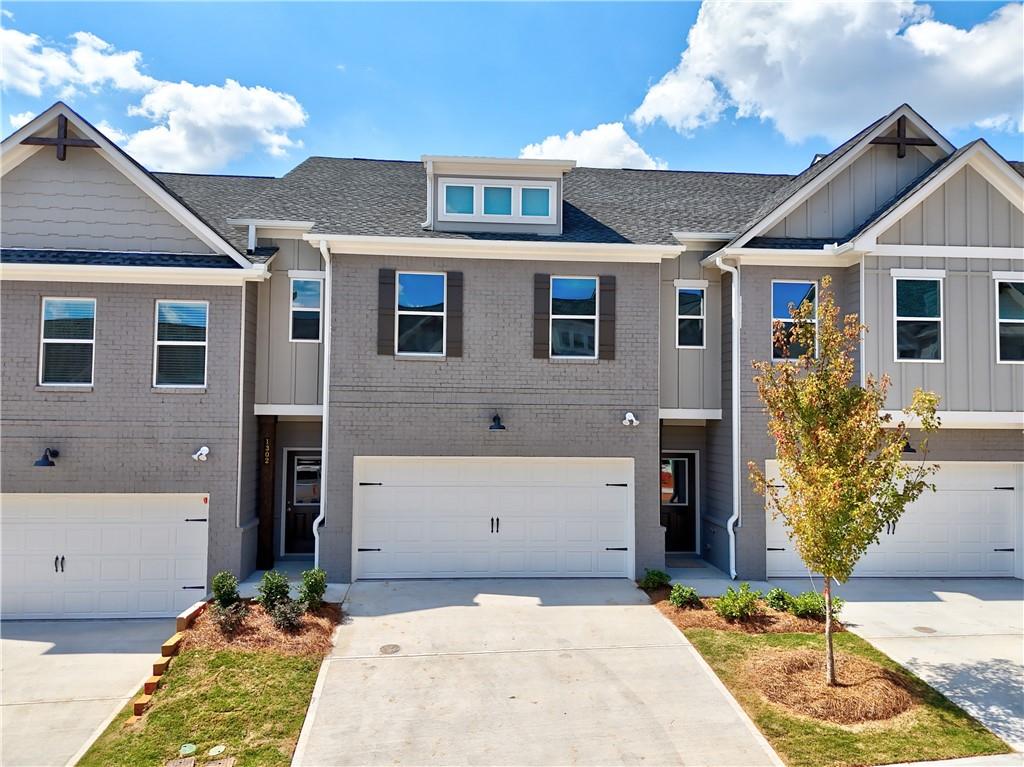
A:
x: 302, y: 501
x: 679, y: 501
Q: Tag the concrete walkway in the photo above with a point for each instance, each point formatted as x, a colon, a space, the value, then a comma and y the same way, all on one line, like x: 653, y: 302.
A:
x: 518, y: 672
x: 62, y: 680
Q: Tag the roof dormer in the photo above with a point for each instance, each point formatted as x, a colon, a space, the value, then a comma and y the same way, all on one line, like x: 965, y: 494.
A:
x: 489, y: 194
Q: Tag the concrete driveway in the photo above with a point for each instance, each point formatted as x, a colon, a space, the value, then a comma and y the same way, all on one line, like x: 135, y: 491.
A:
x: 518, y: 672
x: 61, y: 680
x: 965, y: 637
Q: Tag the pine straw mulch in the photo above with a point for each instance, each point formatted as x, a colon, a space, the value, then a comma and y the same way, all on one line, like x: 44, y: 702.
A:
x: 794, y: 679
x: 258, y: 633
x: 768, y: 621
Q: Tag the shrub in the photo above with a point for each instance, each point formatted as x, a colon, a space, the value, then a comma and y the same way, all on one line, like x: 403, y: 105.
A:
x: 313, y: 588
x: 225, y: 589
x: 780, y: 600
x: 738, y: 605
x: 684, y: 596
x: 273, y: 589
x: 287, y: 615
x: 230, y: 618
x: 655, y: 579
x: 811, y: 605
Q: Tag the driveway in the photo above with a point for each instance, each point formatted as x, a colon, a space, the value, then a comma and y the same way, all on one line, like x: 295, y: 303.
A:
x: 61, y: 680
x: 965, y: 637
x: 518, y: 672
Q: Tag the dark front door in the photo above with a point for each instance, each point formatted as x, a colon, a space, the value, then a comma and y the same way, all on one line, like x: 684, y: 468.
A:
x: 301, y: 501
x: 679, y: 501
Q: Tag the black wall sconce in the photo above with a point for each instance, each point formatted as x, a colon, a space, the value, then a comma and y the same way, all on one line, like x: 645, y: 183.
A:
x: 907, y: 447
x: 47, y: 457
x: 496, y: 424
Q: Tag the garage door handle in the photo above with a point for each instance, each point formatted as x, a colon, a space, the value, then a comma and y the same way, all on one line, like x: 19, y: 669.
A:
x: 492, y: 524
x: 193, y: 587
x: 55, y: 561
x: 497, y: 524
x: 616, y: 484
x: 1004, y: 488
x: 774, y: 549
x: 367, y: 549
x: 616, y: 548
x: 62, y: 563
x: 1003, y: 549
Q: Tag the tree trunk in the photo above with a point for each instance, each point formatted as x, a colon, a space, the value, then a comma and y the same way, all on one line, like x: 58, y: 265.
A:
x: 830, y: 660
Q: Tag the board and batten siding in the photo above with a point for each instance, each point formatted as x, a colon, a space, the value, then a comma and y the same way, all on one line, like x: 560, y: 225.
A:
x: 859, y: 190
x: 966, y: 210
x: 969, y: 377
x: 287, y: 372
x: 691, y: 378
x: 85, y: 203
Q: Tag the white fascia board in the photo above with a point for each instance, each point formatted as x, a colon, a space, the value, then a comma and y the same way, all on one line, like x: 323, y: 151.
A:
x: 270, y: 223
x: 689, y: 414
x: 962, y: 419
x: 513, y: 250
x: 299, y: 410
x: 143, y: 275
x: 684, y: 237
x: 835, y: 257
x: 446, y: 165
x: 945, y: 251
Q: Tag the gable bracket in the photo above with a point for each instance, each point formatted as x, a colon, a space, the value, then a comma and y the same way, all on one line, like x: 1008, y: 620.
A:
x: 901, y: 140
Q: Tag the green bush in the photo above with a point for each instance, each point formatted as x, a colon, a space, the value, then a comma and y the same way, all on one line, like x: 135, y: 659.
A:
x: 684, y: 596
x: 287, y: 615
x: 313, y: 588
x: 654, y: 579
x: 225, y: 589
x: 780, y: 600
x: 229, y: 618
x: 273, y: 589
x: 738, y: 605
x: 811, y: 605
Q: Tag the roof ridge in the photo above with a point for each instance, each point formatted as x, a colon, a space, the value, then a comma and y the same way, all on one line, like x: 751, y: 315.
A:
x: 211, y: 175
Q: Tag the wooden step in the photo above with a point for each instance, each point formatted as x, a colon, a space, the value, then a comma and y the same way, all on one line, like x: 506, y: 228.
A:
x: 141, y: 704
x: 171, y: 646
x: 188, y: 617
x: 160, y: 666
x: 150, y: 685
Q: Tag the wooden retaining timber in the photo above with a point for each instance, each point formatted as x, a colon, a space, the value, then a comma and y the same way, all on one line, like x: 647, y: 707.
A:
x: 168, y: 650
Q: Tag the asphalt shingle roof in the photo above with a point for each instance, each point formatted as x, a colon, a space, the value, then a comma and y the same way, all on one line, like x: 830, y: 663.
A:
x: 110, y: 258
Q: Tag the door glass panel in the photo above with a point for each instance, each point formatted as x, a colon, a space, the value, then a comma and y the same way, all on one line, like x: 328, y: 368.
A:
x: 674, y: 489
x: 306, y: 487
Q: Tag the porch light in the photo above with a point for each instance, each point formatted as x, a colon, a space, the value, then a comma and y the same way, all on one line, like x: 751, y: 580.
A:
x: 496, y: 424
x: 46, y: 459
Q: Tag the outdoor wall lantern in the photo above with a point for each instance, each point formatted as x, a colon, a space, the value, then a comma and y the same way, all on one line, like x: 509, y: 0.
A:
x: 47, y: 457
x: 630, y: 420
x: 496, y: 424
x: 201, y: 454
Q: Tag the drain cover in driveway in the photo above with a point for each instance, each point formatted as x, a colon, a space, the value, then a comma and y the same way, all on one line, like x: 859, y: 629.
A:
x: 389, y: 649
x: 924, y: 629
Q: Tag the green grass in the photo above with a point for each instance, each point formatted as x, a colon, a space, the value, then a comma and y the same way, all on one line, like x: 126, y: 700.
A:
x: 252, y: 702
x: 936, y: 729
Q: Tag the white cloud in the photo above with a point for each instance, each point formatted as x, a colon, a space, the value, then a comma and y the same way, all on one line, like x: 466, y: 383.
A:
x: 606, y: 146
x: 7, y: 13
x: 21, y: 118
x: 830, y: 68
x: 195, y: 127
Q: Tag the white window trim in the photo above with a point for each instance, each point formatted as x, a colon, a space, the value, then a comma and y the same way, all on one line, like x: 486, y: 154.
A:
x: 702, y: 286
x: 595, y: 317
x: 929, y: 275
x: 516, y: 185
x: 158, y: 343
x: 43, y: 341
x: 292, y: 308
x: 773, y: 318
x: 996, y: 282
x: 443, y: 314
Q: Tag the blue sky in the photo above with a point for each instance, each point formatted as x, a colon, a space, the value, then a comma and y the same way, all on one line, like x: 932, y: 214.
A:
x: 399, y: 80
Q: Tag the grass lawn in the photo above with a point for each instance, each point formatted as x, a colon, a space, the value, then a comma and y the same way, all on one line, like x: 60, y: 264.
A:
x: 252, y: 702
x: 934, y: 729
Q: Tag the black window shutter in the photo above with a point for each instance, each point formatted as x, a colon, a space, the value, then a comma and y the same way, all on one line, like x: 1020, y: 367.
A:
x: 454, y: 311
x: 606, y: 333
x: 541, y: 315
x: 386, y: 311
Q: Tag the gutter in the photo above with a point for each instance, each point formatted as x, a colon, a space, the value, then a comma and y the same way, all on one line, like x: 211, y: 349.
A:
x: 325, y: 421
x: 733, y: 520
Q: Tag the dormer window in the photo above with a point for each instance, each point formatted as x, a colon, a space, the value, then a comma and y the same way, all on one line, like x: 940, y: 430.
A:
x: 536, y: 201
x: 498, y: 201
x: 459, y: 200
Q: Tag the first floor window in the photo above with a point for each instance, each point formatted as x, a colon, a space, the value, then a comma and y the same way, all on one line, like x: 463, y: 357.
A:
x: 574, y: 317
x: 306, y: 308
x: 690, y: 318
x: 1010, y: 321
x: 180, y: 355
x: 420, y: 313
x: 68, y: 341
x: 918, y: 320
x: 786, y: 297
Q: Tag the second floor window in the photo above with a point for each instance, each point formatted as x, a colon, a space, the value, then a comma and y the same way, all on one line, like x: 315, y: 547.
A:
x: 180, y: 353
x: 690, y: 315
x: 786, y: 296
x: 420, y: 313
x: 68, y: 341
x: 1010, y: 321
x: 574, y: 317
x: 918, y: 320
x: 306, y: 309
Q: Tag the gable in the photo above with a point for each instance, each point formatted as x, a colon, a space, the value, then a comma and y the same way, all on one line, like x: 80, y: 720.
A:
x: 965, y: 210
x: 85, y: 203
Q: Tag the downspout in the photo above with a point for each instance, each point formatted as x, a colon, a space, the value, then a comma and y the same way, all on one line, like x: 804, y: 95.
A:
x: 429, y: 223
x: 325, y: 423
x: 736, y: 320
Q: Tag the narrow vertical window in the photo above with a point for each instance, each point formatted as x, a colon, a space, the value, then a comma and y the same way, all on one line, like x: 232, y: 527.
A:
x: 420, y: 314
x: 787, y: 296
x: 306, y: 309
x: 68, y: 341
x: 1010, y: 321
x: 918, y: 319
x: 574, y: 317
x: 180, y: 354
x: 690, y: 315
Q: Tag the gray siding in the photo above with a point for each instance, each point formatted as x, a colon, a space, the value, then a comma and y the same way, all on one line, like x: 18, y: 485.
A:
x: 287, y: 373
x: 690, y: 378
x: 853, y: 195
x: 966, y: 210
x: 381, y: 405
x: 85, y: 203
x: 124, y: 436
x: 969, y: 378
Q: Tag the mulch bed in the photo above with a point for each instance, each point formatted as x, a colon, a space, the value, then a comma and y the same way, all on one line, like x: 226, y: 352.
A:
x: 258, y: 633
x: 768, y: 621
x: 794, y: 679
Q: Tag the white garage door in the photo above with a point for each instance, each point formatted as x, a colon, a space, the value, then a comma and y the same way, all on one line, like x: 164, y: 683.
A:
x: 493, y: 517
x: 967, y: 528
x: 102, y: 555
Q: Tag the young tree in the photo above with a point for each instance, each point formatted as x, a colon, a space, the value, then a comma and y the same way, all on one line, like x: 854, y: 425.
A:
x: 840, y: 458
